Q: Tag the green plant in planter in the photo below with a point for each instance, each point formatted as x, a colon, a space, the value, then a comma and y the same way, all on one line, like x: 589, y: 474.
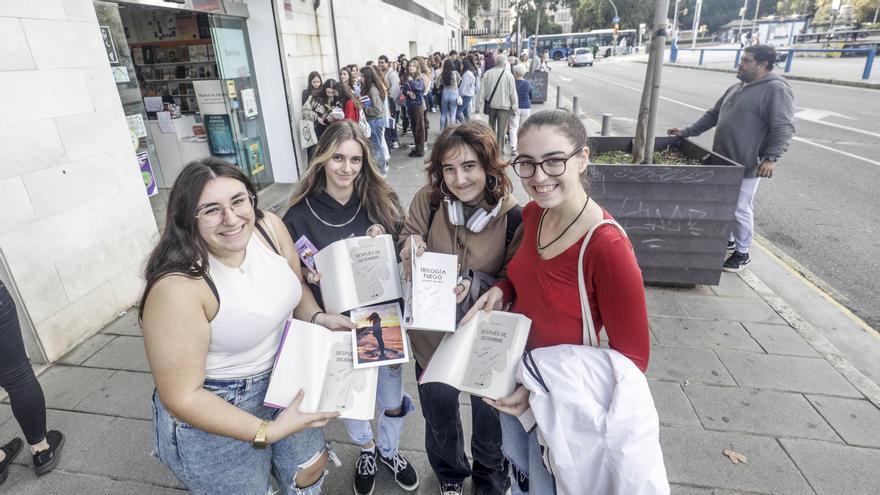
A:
x: 669, y: 156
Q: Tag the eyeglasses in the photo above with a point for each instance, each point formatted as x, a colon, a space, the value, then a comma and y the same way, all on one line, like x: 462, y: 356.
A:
x: 552, y: 167
x: 212, y: 215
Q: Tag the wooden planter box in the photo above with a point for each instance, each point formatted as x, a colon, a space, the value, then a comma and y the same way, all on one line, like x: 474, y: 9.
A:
x: 678, y: 217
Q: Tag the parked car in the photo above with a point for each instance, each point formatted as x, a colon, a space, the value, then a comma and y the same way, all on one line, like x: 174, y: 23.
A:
x: 580, y: 56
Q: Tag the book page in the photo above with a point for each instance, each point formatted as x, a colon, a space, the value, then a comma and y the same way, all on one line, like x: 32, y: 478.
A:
x: 357, y: 272
x: 434, y: 276
x: 448, y: 362
x: 350, y: 391
x: 301, y: 363
x: 498, y: 344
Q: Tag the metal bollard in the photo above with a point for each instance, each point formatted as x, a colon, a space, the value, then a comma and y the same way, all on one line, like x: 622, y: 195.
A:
x: 606, y: 124
x: 558, y: 97
x: 574, y: 106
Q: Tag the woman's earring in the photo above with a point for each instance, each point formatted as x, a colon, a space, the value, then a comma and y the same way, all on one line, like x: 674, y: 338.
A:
x: 491, y: 183
x: 446, y: 191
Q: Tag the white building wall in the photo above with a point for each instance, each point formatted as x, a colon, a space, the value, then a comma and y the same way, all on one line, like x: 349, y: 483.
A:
x: 364, y: 29
x: 76, y: 223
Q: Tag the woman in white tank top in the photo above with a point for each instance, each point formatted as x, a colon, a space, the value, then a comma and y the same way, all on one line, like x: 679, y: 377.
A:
x: 221, y: 283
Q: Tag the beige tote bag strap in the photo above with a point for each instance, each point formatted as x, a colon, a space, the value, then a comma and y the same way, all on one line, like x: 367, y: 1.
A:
x: 591, y: 338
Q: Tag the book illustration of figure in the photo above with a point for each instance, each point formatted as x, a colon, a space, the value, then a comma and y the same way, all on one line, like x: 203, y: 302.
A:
x: 490, y: 355
x: 370, y: 268
x: 306, y: 251
x: 376, y: 329
x: 342, y: 381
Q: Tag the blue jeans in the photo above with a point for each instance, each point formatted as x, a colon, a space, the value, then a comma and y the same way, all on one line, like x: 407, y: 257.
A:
x: 448, y: 107
x: 389, y: 395
x: 524, y: 454
x: 377, y: 138
x: 207, y: 464
x: 464, y: 110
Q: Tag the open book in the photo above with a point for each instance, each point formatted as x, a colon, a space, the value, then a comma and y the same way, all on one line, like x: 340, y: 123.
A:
x: 482, y: 355
x: 357, y: 272
x: 319, y: 362
x: 430, y: 303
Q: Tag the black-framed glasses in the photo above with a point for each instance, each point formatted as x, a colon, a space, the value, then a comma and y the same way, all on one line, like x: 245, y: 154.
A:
x: 212, y: 215
x: 552, y: 167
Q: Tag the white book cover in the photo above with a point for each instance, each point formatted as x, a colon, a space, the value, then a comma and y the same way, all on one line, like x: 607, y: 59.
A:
x: 430, y: 302
x: 358, y: 272
x: 319, y: 361
x: 481, y: 356
x: 379, y: 339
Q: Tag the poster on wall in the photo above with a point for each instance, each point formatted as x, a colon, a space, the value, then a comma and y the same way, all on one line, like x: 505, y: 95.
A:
x: 253, y: 148
x: 232, y: 53
x: 109, y: 45
x: 209, y: 96
x: 288, y: 10
x: 219, y: 134
x: 120, y: 73
x: 147, y: 173
x: 249, y: 103
x: 136, y: 125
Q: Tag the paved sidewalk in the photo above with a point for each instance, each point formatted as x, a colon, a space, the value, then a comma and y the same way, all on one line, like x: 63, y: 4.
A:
x: 745, y: 366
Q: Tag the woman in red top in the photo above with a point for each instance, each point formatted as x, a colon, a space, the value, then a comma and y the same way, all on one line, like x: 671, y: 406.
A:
x: 542, y: 276
x: 351, y: 106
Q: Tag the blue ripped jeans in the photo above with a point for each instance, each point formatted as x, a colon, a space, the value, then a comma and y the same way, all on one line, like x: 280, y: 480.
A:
x: 389, y: 395
x: 213, y: 464
x: 528, y: 473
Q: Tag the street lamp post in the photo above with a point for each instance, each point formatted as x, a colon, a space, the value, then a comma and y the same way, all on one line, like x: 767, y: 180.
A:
x: 675, y: 22
x: 742, y: 17
x: 696, y: 26
x: 755, y: 20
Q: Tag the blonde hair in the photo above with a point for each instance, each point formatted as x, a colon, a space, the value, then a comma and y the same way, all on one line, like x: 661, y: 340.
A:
x: 375, y: 195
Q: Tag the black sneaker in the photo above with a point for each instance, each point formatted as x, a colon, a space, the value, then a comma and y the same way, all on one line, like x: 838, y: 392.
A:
x: 736, y: 262
x: 46, y: 460
x: 365, y: 473
x: 11, y: 449
x: 450, y: 488
x: 404, y: 474
x: 731, y: 246
x: 416, y: 154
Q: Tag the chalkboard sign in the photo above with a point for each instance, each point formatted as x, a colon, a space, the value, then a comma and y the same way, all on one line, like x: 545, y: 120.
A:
x: 539, y: 85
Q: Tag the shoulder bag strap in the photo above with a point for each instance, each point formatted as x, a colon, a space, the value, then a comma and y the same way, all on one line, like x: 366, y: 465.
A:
x: 496, y: 87
x: 265, y: 235
x: 591, y: 338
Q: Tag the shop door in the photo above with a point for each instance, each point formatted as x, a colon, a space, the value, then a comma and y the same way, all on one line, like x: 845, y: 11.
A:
x: 122, y: 67
x: 240, y: 131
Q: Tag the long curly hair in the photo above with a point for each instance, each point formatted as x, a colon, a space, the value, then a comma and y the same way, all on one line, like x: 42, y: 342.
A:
x: 479, y: 137
x: 181, y: 249
x: 380, y: 200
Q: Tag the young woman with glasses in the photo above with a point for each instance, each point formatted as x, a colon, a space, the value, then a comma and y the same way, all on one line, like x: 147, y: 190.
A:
x: 342, y: 195
x: 542, y: 276
x: 466, y: 180
x: 220, y: 285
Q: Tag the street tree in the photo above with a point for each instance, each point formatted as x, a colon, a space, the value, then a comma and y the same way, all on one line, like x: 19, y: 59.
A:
x: 598, y: 14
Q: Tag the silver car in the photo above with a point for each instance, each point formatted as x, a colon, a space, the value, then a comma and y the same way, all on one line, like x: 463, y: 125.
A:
x: 581, y: 56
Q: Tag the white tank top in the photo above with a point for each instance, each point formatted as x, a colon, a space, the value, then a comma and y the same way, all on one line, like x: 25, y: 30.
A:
x: 256, y: 299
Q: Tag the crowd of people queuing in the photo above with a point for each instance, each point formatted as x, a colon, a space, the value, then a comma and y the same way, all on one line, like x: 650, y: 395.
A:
x: 390, y: 98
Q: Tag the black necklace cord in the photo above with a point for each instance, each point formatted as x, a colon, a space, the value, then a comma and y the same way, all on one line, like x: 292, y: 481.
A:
x: 541, y: 225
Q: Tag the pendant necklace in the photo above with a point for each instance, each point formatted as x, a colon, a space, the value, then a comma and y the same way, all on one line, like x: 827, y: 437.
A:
x: 541, y: 224
x: 334, y: 224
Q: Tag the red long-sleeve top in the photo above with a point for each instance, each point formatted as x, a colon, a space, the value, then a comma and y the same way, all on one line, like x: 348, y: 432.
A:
x: 547, y: 291
x: 351, y: 111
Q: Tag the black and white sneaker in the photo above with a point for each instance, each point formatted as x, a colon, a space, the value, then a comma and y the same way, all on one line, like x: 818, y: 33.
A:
x: 736, y: 262
x: 450, y: 488
x: 365, y: 473
x: 731, y: 246
x: 404, y: 473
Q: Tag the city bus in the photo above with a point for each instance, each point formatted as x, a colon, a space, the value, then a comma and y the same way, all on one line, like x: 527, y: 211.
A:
x: 495, y: 44
x: 560, y: 46
x: 607, y: 42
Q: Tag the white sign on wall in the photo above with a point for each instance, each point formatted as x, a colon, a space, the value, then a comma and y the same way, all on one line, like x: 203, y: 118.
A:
x: 209, y: 96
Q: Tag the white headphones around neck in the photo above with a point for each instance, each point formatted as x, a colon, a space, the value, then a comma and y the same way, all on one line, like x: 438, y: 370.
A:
x: 478, y: 220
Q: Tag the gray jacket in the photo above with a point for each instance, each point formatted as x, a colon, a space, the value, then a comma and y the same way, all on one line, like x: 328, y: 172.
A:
x: 753, y: 122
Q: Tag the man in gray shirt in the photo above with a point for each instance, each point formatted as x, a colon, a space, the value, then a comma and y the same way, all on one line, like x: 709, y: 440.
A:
x: 754, y: 121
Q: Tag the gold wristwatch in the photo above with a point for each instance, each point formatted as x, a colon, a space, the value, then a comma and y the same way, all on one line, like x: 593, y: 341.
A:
x: 260, y: 438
